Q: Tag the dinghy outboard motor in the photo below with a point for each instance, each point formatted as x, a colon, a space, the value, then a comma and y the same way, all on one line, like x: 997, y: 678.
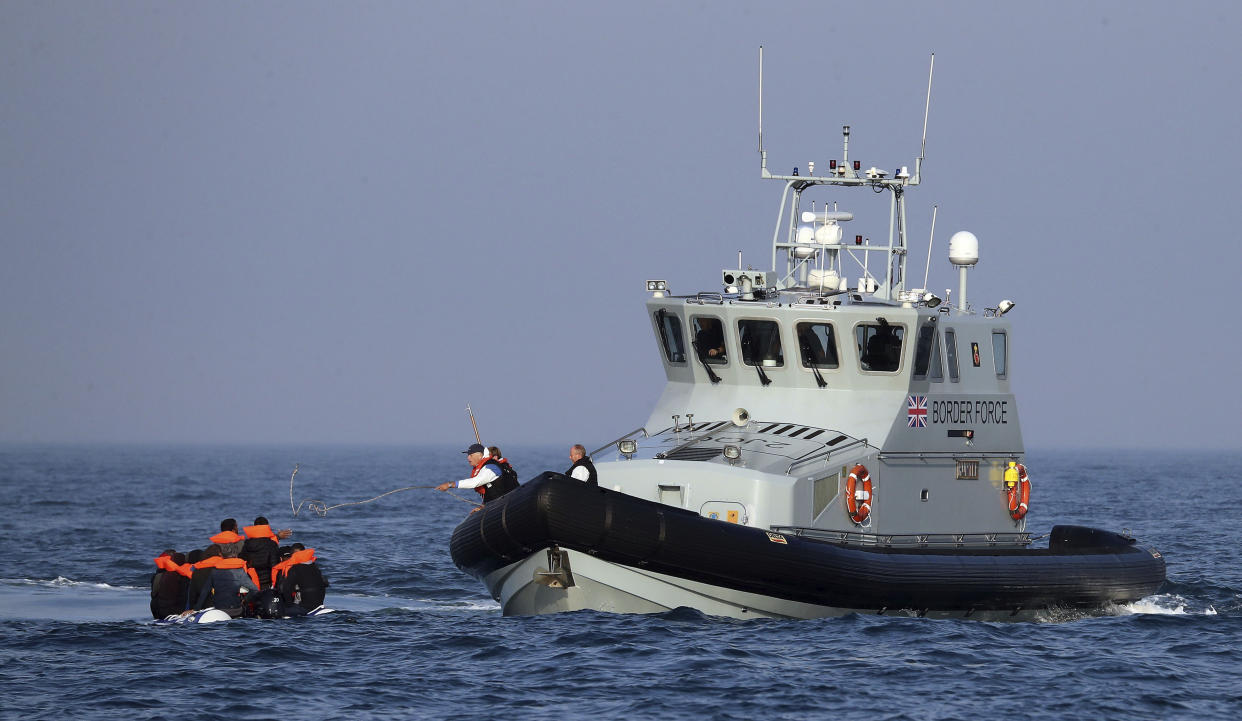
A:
x: 269, y: 605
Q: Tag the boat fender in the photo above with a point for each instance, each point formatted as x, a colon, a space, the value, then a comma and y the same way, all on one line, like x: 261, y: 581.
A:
x: 1019, y: 486
x: 858, y: 494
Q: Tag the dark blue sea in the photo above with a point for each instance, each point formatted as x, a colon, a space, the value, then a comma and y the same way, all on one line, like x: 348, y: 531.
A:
x: 414, y: 637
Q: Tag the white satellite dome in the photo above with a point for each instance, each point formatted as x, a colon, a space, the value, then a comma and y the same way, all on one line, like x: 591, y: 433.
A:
x: 963, y: 248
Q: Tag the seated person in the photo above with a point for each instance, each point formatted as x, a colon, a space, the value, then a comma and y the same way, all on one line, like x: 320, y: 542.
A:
x: 709, y: 339
x: 260, y: 550
x: 169, y: 584
x: 883, y: 350
x: 812, y: 350
x: 298, y: 579
x: 761, y: 343
x: 229, y: 578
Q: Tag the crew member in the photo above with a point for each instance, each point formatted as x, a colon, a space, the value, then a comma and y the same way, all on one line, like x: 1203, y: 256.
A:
x: 485, y: 475
x: 582, y: 468
x: 709, y: 339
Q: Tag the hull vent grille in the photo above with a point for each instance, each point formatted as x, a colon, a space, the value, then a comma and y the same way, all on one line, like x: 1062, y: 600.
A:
x: 693, y: 454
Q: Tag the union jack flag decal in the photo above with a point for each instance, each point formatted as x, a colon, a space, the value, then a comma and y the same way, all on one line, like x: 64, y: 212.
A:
x: 916, y: 411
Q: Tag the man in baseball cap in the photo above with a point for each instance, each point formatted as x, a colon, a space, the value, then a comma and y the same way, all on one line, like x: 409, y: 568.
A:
x: 484, y: 472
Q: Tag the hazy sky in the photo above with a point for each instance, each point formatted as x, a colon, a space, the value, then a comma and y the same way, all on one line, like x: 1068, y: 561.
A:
x: 305, y: 222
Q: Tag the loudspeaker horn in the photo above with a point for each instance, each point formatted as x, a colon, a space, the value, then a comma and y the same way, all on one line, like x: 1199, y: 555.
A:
x: 741, y: 417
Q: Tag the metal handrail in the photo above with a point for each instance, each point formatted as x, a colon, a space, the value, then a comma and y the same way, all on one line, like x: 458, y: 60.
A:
x: 622, y: 438
x: 914, y: 540
x: 705, y: 296
x: 967, y: 455
x: 825, y: 454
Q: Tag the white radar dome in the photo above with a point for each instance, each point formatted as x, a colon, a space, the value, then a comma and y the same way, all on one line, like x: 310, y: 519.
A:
x: 963, y: 248
x: 806, y: 234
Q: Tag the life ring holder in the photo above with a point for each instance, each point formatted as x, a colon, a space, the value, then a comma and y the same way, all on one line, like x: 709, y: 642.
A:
x: 1020, y: 495
x: 858, y: 488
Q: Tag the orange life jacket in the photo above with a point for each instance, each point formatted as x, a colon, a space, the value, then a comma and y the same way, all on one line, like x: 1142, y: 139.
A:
x: 306, y: 555
x: 226, y: 537
x: 208, y: 562
x: 264, y: 531
x: 499, y: 469
x: 166, y: 563
x: 237, y: 563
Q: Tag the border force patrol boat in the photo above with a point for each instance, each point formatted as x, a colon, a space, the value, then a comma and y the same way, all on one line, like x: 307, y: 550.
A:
x: 829, y: 441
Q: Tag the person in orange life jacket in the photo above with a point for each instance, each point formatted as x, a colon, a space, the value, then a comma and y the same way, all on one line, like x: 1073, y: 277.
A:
x: 582, y: 468
x: 169, y: 584
x: 228, y: 576
x: 485, y: 475
x: 299, y: 580
x: 508, y: 476
x: 203, y: 563
x: 260, y: 550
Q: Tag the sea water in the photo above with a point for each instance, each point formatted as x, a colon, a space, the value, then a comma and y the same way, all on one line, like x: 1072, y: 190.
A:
x: 414, y: 637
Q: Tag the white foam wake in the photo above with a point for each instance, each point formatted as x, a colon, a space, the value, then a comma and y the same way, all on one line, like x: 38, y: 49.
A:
x: 1166, y: 604
x: 62, y: 582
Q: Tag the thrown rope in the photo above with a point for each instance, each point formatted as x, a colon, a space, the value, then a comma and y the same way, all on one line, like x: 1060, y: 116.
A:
x: 322, y: 508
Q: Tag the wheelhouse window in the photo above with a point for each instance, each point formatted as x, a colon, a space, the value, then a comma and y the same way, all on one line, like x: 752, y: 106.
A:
x: 761, y: 343
x: 998, y: 353
x: 927, y: 354
x: 879, y: 346
x: 817, y: 342
x: 950, y: 349
x: 709, y: 339
x: 670, y: 336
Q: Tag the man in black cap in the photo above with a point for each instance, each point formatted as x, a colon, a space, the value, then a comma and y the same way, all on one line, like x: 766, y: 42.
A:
x: 485, y: 475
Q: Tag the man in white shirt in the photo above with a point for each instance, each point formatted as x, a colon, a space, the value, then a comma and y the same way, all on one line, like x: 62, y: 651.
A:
x: 484, y: 471
x: 582, y: 468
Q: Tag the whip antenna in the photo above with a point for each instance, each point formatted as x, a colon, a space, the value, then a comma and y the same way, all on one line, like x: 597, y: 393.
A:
x: 930, y: 240
x: 474, y: 425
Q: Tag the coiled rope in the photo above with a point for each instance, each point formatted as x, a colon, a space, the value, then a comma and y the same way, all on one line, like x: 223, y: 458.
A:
x: 322, y: 508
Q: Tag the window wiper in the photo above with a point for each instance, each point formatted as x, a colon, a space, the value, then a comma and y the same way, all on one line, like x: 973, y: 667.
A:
x: 698, y: 352
x: 763, y: 377
x: 808, y: 360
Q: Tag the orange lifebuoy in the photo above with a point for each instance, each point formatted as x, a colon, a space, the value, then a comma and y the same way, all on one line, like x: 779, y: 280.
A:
x: 1020, y: 495
x: 858, y: 499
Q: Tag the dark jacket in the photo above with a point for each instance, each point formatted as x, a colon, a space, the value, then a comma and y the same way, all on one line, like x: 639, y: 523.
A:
x: 261, y: 554
x: 303, y: 584
x: 199, y: 580
x: 223, y: 587
x: 585, y: 461
x: 168, y: 594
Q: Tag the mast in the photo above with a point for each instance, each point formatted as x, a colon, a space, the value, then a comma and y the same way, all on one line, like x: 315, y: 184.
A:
x: 842, y: 173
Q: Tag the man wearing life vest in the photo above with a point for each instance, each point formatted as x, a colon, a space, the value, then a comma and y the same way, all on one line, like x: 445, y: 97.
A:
x: 202, y: 562
x: 582, y: 469
x: 260, y: 550
x: 298, y: 579
x: 169, y: 584
x: 485, y: 475
x: 229, y: 575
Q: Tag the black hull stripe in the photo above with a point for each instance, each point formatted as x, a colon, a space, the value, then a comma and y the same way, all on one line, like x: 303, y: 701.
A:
x: 1084, y: 567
